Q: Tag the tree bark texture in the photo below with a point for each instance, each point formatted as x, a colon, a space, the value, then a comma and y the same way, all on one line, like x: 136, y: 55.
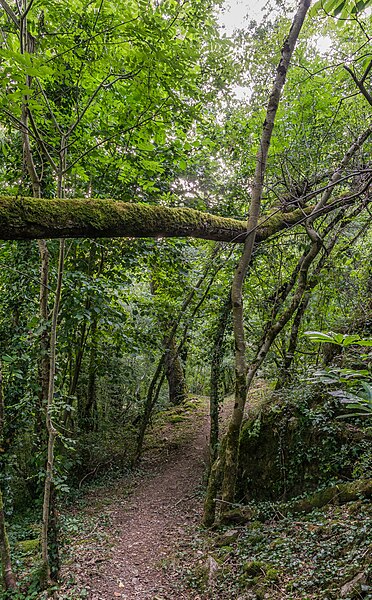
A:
x: 6, y: 565
x: 37, y: 218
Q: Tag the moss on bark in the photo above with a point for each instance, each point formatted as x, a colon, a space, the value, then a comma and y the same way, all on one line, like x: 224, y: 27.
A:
x: 36, y: 218
x: 28, y: 218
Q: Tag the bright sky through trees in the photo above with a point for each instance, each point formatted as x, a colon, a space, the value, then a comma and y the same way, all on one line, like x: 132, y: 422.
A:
x: 236, y: 13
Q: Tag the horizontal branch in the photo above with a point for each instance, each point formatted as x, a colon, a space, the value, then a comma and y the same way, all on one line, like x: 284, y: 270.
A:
x: 23, y: 218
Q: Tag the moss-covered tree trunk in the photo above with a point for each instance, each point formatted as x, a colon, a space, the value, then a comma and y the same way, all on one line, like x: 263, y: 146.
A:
x: 174, y: 373
x: 35, y: 218
x: 9, y: 579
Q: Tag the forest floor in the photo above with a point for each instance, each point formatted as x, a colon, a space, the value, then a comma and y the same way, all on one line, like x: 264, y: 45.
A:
x: 131, y: 550
x: 144, y: 539
x: 138, y: 537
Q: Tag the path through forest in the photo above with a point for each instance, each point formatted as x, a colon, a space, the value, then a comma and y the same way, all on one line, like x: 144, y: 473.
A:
x: 147, y: 529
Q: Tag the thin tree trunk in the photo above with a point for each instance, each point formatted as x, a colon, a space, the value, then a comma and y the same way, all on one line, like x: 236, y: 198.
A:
x: 89, y: 416
x: 343, y: 219
x: 216, y: 395
x: 52, y: 432
x: 6, y: 563
x: 75, y: 370
x: 151, y: 399
x: 241, y: 381
x: 284, y: 374
x: 43, y: 307
x: 49, y: 528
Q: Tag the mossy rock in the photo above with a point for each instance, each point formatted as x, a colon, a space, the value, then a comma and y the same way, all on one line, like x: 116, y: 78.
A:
x: 294, y: 447
x: 254, y: 568
x: 177, y: 418
x: 261, y: 570
x: 226, y: 538
x: 29, y: 546
x: 238, y: 516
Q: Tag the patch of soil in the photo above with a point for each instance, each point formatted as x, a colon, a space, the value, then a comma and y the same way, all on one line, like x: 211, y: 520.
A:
x: 140, y: 535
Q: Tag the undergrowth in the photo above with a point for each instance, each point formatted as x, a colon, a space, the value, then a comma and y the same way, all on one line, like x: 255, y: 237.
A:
x: 307, y: 557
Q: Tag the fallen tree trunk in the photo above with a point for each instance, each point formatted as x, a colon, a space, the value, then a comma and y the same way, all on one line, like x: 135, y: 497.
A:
x: 336, y: 494
x: 24, y: 218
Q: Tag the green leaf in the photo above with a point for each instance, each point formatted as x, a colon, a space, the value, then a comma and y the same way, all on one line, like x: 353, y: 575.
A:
x: 337, y: 338
x: 146, y: 146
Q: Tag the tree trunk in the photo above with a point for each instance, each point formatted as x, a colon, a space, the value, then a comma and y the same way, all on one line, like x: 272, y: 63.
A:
x: 6, y: 563
x: 174, y: 373
x: 48, y: 505
x: 35, y: 218
x: 241, y: 383
x: 44, y: 365
x: 214, y: 484
x: 216, y: 394
x: 88, y: 414
x: 151, y: 399
x: 285, y: 369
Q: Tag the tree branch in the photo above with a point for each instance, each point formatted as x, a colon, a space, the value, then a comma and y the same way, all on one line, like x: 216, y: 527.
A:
x: 9, y: 11
x: 36, y: 218
x: 360, y: 83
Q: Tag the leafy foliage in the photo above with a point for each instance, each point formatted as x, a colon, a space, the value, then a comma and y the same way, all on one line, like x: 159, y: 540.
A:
x: 341, y: 8
x: 361, y: 400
